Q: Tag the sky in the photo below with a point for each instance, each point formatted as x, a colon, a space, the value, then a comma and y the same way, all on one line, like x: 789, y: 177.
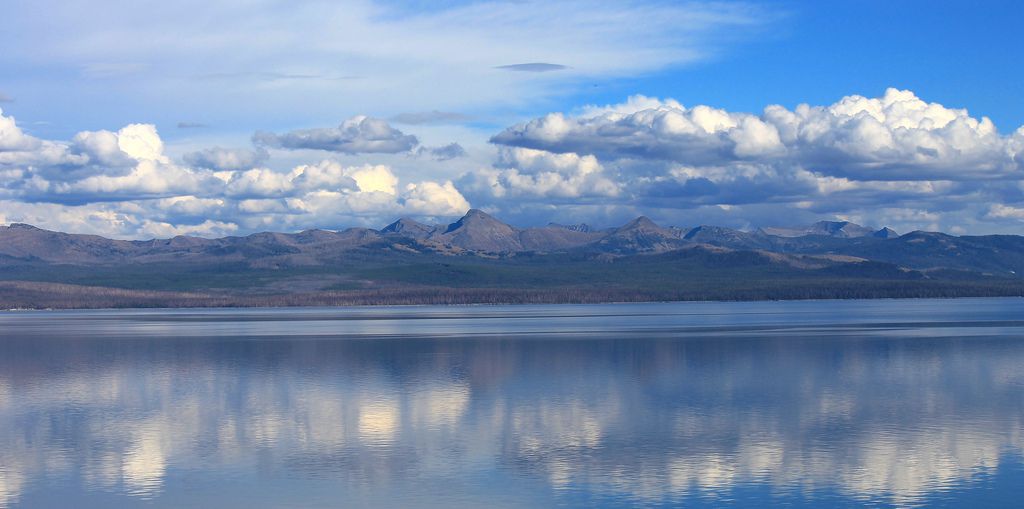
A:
x: 153, y: 119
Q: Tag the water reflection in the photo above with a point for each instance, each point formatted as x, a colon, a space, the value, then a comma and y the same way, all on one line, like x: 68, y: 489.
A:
x: 748, y: 418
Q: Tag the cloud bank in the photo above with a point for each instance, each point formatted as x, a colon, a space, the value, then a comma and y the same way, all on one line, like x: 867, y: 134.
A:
x: 894, y: 160
x: 121, y: 183
x: 894, y: 137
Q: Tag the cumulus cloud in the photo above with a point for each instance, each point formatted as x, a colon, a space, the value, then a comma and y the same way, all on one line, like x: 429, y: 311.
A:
x: 329, y: 176
x: 373, y: 205
x: 12, y: 138
x: 119, y: 219
x: 18, y: 150
x: 259, y: 183
x: 141, y: 142
x: 147, y: 178
x: 207, y: 228
x: 894, y: 137
x: 536, y: 174
x: 357, y: 135
x: 375, y: 179
x: 102, y: 147
x: 190, y: 206
x: 434, y: 199
x: 326, y: 175
x: 94, y: 165
x: 127, y: 147
x: 121, y: 183
x: 892, y: 160
x: 999, y: 211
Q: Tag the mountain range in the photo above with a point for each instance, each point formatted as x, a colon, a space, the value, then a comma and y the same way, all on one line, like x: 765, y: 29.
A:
x: 479, y: 258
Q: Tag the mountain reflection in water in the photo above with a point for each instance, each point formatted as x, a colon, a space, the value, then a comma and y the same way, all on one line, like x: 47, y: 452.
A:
x: 898, y: 403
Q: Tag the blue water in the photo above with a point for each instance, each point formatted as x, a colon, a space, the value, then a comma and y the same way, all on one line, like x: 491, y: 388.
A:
x: 916, y: 403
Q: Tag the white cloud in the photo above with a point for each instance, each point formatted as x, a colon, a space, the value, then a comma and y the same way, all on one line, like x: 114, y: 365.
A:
x: 148, y: 178
x: 892, y: 160
x: 259, y: 182
x: 192, y: 206
x: 894, y: 137
x: 123, y: 184
x: 680, y: 165
x: 536, y: 174
x: 95, y: 165
x: 208, y: 228
x: 328, y: 175
x: 375, y: 179
x: 11, y: 136
x: 102, y: 147
x: 1000, y: 211
x: 142, y: 143
x: 434, y: 199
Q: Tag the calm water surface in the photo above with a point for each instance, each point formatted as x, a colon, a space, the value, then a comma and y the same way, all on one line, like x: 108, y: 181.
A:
x: 804, y: 404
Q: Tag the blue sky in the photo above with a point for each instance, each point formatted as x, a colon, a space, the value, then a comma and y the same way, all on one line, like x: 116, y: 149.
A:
x: 210, y: 118
x: 955, y: 53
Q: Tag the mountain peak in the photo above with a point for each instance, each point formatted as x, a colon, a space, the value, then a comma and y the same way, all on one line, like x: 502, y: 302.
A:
x: 641, y: 235
x: 23, y: 226
x: 473, y: 215
x: 886, y: 233
x: 640, y: 223
x: 408, y: 228
x: 479, y: 218
x: 478, y: 231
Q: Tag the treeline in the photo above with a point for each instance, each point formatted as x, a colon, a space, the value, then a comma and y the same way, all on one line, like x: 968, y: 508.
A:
x: 34, y: 295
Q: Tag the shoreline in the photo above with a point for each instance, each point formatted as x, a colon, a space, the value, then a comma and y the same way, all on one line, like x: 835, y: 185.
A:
x: 21, y: 296
x: 499, y: 304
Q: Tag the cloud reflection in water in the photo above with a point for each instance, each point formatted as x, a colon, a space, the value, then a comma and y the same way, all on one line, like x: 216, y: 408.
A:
x: 527, y: 420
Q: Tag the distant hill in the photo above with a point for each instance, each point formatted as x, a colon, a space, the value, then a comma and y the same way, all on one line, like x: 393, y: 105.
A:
x: 479, y: 258
x: 842, y: 229
x: 409, y: 228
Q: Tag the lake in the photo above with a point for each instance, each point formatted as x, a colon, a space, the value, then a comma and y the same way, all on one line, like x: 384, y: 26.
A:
x: 887, y: 403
